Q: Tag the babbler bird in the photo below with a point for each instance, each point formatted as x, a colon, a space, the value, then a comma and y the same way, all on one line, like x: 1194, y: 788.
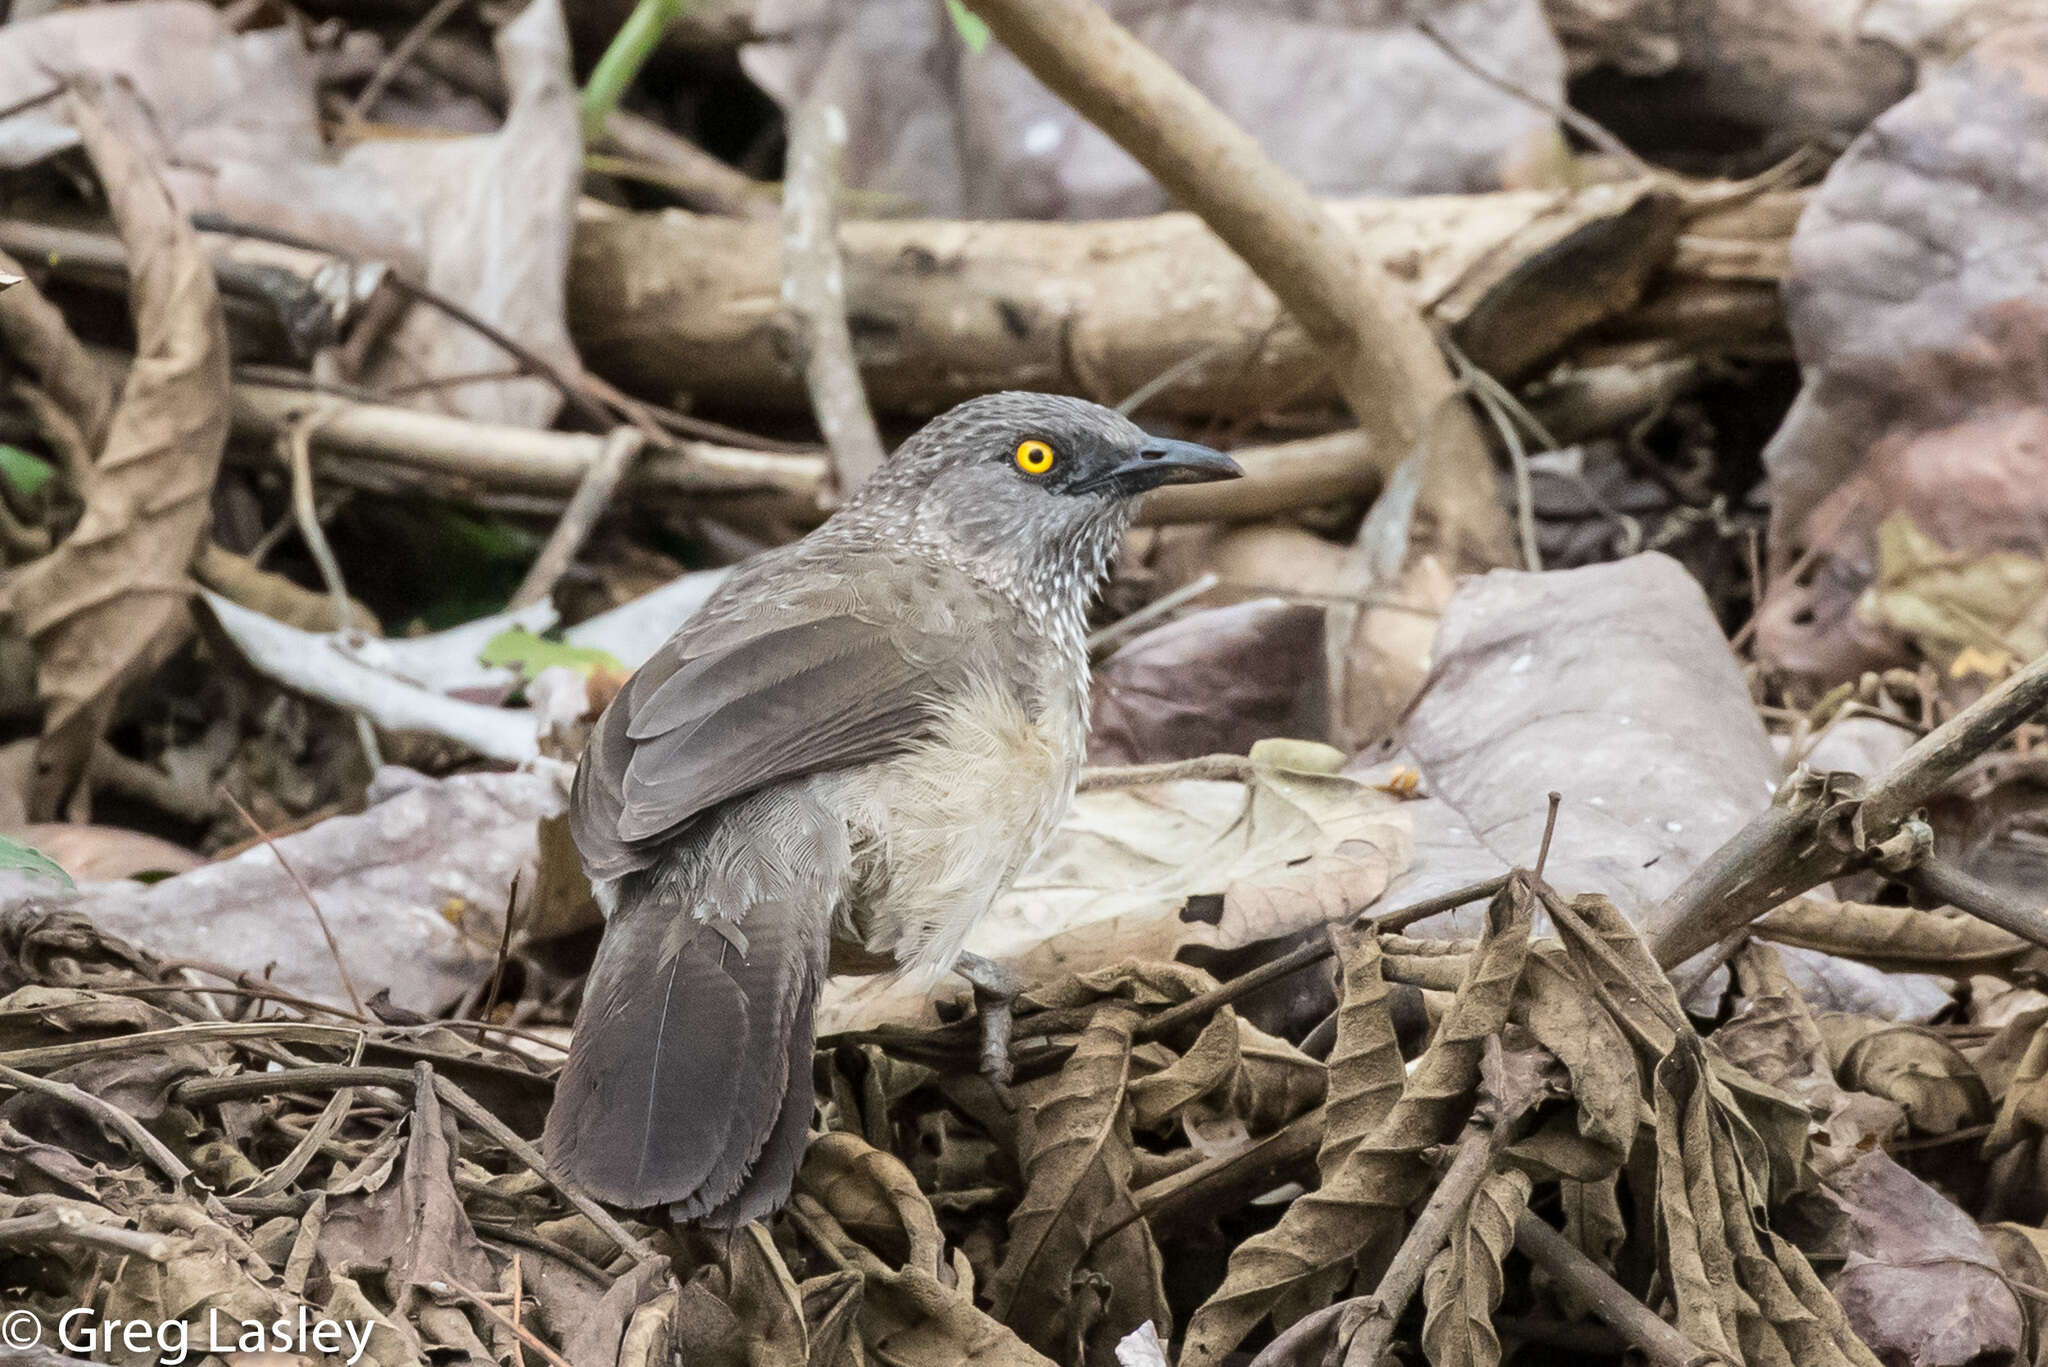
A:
x: 836, y: 765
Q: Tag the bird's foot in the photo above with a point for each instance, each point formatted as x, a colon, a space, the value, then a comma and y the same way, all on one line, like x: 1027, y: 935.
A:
x: 995, y: 997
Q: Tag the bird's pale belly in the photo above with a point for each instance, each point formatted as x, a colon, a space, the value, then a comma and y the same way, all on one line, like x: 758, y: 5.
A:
x: 940, y: 832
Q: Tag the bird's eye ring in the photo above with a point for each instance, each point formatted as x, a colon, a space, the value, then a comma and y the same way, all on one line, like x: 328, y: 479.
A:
x: 1035, y: 457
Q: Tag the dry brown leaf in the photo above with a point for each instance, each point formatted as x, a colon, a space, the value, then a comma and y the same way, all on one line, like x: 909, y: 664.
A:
x: 1773, y: 1037
x: 2023, y: 1107
x: 765, y: 1300
x: 74, y: 393
x: 1566, y: 1018
x: 1740, y: 1290
x: 1076, y: 1153
x: 1366, y: 1070
x: 1916, y: 1277
x: 1612, y: 684
x: 874, y: 1198
x: 414, y: 1230
x: 909, y: 1318
x: 109, y: 604
x: 1463, y: 1286
x: 1896, y: 939
x: 413, y: 888
x: 2023, y: 1253
x: 1233, y: 1069
x: 1922, y: 391
x: 1322, y: 1231
x: 1611, y: 955
x: 1593, y: 1222
x: 1939, y: 1089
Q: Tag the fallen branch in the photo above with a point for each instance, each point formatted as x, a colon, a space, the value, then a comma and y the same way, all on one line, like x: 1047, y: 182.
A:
x: 382, y: 447
x: 943, y: 310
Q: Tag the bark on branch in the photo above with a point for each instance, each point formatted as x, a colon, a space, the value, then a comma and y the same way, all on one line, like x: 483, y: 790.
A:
x: 943, y: 310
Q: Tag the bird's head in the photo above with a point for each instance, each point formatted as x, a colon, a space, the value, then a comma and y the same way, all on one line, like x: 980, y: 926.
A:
x: 1034, y: 490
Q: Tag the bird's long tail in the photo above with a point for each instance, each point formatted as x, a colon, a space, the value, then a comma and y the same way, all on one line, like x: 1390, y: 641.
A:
x: 689, y: 1076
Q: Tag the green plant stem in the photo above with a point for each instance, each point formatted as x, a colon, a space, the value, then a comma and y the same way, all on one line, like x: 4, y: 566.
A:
x: 621, y: 63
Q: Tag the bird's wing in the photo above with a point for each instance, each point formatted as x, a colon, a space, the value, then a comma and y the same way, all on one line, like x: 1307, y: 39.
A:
x: 794, y: 685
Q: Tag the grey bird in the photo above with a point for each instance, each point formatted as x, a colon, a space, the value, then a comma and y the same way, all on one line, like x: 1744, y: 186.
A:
x: 837, y: 765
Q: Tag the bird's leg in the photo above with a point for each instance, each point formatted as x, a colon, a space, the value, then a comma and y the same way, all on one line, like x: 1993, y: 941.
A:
x: 995, y: 995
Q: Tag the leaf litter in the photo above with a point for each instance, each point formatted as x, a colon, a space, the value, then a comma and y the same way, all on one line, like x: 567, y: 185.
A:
x: 1325, y: 1055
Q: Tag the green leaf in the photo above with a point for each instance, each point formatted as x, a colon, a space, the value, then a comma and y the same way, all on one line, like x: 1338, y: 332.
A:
x: 517, y: 648
x: 16, y: 857
x: 973, y: 30
x: 25, y: 472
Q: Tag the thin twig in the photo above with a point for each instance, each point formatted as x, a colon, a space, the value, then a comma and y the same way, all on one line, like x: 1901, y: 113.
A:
x: 525, y: 1336
x: 576, y: 395
x: 504, y: 951
x: 65, y: 1225
x: 1432, y: 1228
x: 1549, y: 829
x: 1578, y: 122
x: 298, y: 444
x: 1944, y: 882
x: 139, y: 1140
x: 814, y: 293
x: 400, y: 57
x: 306, y: 1150
x: 518, y: 1300
x: 1813, y: 834
x: 593, y: 495
x: 501, y: 1134
x: 1518, y: 462
x: 326, y: 931
x: 1203, y: 768
x: 1571, y: 1270
x: 1313, y: 951
x: 199, y: 1091
x: 1178, y: 371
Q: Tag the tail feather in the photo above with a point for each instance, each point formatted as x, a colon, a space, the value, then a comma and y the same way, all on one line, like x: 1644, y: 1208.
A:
x: 774, y: 1168
x: 688, y: 1058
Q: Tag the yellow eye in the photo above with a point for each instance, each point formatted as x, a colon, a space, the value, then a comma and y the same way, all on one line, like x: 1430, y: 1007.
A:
x: 1034, y: 457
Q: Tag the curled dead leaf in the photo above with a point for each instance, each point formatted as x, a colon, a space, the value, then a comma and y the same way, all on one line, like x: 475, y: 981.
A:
x: 109, y: 604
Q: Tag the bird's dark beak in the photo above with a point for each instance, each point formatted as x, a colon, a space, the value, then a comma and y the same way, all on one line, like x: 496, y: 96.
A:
x: 1162, y: 460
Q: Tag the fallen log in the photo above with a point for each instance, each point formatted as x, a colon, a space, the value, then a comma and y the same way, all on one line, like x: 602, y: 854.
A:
x: 672, y: 302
